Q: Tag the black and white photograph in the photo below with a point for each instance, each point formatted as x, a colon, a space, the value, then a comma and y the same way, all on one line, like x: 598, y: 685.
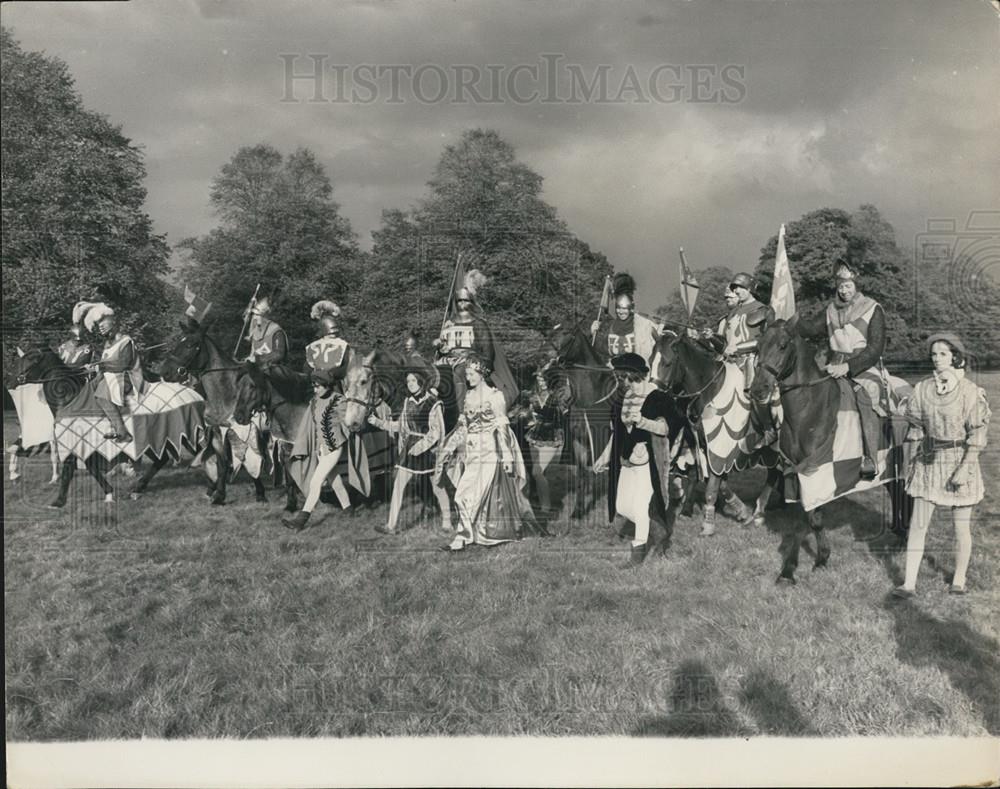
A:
x: 480, y: 393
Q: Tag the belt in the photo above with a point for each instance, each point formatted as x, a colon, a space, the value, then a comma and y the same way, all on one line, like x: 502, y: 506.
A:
x: 630, y: 464
x: 938, y: 444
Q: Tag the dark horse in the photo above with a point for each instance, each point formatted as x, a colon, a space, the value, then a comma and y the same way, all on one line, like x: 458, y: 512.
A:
x: 195, y: 354
x: 60, y: 385
x: 694, y: 374
x: 591, y: 383
x: 810, y: 400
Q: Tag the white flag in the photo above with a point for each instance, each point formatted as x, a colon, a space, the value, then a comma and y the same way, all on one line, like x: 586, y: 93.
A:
x: 782, y: 288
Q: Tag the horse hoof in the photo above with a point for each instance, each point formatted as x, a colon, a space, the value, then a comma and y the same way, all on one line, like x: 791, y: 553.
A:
x: 707, y: 530
x: 58, y: 504
x: 786, y: 580
x: 261, y: 499
x: 109, y: 498
x: 820, y: 564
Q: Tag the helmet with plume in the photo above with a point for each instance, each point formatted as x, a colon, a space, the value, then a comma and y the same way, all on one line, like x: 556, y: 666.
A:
x: 323, y: 309
x: 95, y: 314
x: 80, y: 311
x: 474, y: 280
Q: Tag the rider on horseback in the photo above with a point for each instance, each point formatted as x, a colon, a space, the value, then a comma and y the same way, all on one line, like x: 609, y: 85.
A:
x: 75, y: 351
x: 119, y: 367
x: 326, y: 357
x: 626, y: 331
x: 736, y: 338
x: 268, y: 343
x: 855, y: 325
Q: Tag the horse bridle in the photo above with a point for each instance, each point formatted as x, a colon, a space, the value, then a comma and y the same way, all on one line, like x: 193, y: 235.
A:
x: 779, y: 376
x: 374, y: 398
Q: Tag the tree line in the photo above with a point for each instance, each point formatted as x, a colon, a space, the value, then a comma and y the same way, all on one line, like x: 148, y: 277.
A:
x: 74, y: 227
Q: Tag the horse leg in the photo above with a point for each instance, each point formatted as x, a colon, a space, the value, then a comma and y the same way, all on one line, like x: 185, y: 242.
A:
x: 770, y: 485
x: 260, y: 492
x: 580, y: 455
x: 733, y: 504
x: 13, y: 473
x: 221, y: 447
x: 902, y: 509
x: 790, y: 544
x: 688, y: 509
x: 822, y: 546
x: 65, y: 478
x: 98, y: 468
x: 143, y: 482
x: 711, y: 493
x: 54, y: 461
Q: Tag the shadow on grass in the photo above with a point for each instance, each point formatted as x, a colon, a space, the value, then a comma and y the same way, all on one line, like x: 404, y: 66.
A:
x: 770, y: 704
x: 697, y: 708
x: 967, y: 657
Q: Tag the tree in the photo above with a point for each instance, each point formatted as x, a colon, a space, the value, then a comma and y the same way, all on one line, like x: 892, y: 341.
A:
x: 483, y: 203
x: 279, y: 226
x: 73, y: 221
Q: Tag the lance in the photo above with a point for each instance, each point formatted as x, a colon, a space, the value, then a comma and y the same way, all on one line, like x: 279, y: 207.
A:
x: 246, y: 319
x: 451, y: 291
x: 601, y: 307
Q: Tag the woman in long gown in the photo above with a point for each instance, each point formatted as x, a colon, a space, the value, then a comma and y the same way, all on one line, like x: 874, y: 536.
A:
x: 483, y: 454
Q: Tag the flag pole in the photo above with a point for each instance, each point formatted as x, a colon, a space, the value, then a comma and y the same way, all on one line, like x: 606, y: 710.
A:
x: 451, y: 291
x: 601, y: 307
x: 246, y: 319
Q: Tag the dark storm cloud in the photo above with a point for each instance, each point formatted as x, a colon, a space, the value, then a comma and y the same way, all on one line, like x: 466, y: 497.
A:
x: 886, y: 102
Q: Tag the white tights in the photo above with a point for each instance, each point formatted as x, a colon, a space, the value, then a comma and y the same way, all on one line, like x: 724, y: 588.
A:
x: 327, y: 463
x: 403, y: 477
x: 923, y: 510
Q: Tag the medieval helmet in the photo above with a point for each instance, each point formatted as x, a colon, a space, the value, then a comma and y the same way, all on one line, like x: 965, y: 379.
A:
x: 328, y: 315
x: 741, y: 280
x: 261, y: 306
x: 96, y: 314
x: 80, y: 311
x: 474, y: 280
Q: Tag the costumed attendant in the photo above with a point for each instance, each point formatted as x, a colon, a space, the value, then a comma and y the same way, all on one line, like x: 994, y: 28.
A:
x: 482, y: 452
x: 950, y: 417
x: 119, y: 367
x: 545, y: 435
x: 420, y: 428
x: 637, y: 421
x: 321, y: 436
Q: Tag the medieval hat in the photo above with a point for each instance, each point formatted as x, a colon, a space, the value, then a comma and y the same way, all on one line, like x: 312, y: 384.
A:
x: 843, y: 271
x: 95, y: 314
x: 630, y: 363
x: 949, y: 337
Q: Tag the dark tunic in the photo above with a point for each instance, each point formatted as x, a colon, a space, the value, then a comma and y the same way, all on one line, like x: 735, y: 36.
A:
x: 657, y: 405
x: 416, y: 424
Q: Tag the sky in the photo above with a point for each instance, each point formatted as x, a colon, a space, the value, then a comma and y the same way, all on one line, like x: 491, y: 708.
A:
x: 717, y: 121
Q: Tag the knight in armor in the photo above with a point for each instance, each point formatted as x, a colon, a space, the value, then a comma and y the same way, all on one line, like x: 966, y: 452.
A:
x: 466, y: 333
x: 854, y: 325
x: 268, y: 343
x: 327, y: 356
x: 737, y: 336
x: 76, y: 351
x: 625, y: 330
x: 420, y: 428
x: 119, y: 369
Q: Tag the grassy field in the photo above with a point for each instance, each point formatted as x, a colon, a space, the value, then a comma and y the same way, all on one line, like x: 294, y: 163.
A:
x: 166, y: 617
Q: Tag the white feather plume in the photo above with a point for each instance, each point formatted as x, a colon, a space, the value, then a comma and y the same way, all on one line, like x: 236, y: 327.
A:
x: 323, y: 308
x: 474, y: 280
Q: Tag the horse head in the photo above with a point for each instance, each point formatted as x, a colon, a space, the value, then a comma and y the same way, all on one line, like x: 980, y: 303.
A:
x: 362, y: 390
x: 186, y: 354
x: 776, y: 357
x: 30, y: 363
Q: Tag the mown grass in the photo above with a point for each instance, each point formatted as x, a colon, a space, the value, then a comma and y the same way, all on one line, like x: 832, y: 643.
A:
x: 166, y: 617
